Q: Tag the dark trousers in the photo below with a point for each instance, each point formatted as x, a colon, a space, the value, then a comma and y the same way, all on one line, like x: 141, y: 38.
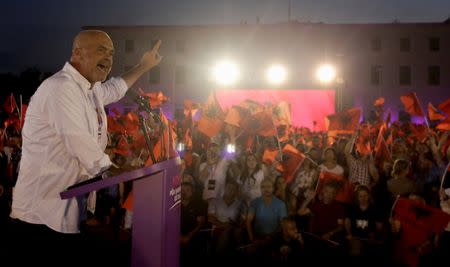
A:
x: 38, y: 245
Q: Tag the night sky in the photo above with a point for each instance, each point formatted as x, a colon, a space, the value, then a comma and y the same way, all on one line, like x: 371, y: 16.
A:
x: 39, y: 32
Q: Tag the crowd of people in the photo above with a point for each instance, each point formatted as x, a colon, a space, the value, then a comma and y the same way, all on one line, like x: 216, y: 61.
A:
x: 240, y: 206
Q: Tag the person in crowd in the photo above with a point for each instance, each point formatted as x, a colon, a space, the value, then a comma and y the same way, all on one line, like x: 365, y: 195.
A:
x: 250, y: 179
x: 226, y: 214
x: 305, y: 178
x: 400, y: 184
x: 364, y: 228
x: 265, y: 213
x: 213, y: 173
x: 325, y: 224
x: 193, y: 219
x: 362, y: 170
x: 329, y: 163
x: 288, y: 245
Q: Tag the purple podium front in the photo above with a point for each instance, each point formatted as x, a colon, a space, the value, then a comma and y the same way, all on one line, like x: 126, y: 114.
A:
x: 156, y: 211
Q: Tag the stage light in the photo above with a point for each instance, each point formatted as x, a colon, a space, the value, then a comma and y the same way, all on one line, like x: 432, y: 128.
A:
x: 326, y: 73
x: 226, y: 72
x: 276, y: 74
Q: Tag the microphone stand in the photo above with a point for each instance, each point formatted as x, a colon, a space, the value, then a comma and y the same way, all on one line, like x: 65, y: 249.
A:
x: 147, y: 138
x: 144, y: 106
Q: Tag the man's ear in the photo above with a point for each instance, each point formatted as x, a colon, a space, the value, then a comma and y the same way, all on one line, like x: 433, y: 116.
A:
x: 76, y: 52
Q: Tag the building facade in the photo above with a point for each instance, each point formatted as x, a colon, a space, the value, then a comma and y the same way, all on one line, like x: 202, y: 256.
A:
x: 371, y: 60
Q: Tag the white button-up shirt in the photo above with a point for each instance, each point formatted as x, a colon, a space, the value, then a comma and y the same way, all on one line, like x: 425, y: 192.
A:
x: 63, y: 144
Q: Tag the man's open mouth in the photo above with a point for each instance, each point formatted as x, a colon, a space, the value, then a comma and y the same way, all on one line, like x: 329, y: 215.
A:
x: 102, y: 67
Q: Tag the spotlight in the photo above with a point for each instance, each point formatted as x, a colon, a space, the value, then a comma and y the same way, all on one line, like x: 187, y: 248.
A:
x: 276, y: 74
x: 226, y: 72
x: 326, y: 73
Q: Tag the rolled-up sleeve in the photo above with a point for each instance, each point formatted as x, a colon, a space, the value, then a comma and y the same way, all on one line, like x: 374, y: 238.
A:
x: 67, y: 113
x: 111, y: 91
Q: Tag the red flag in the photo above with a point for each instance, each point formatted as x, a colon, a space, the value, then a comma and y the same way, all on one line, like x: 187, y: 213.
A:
x: 445, y: 107
x: 10, y: 104
x: 114, y: 126
x: 233, y: 116
x: 260, y: 123
x: 131, y: 123
x: 282, y: 114
x: 269, y: 156
x: 420, y: 131
x: 381, y: 150
x: 421, y: 215
x: 445, y: 125
x: 122, y: 147
x: 292, y: 160
x: 252, y: 106
x: 210, y: 126
x: 379, y: 102
x: 433, y: 114
x: 412, y: 104
x: 163, y: 143
x: 345, y: 122
x: 345, y: 188
x: 211, y: 121
x: 419, y: 223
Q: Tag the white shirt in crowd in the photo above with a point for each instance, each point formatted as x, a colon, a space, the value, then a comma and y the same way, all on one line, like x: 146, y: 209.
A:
x: 214, y: 184
x: 338, y: 170
x: 63, y: 144
x: 225, y: 213
x: 251, y: 187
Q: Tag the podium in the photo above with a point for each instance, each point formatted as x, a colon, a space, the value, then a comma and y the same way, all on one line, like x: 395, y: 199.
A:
x: 156, y: 211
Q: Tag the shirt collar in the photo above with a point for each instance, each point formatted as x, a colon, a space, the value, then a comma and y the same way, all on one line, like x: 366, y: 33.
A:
x: 79, y: 79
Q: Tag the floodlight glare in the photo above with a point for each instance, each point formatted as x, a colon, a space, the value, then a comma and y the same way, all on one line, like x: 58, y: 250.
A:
x: 226, y: 73
x: 231, y: 148
x: 276, y: 74
x: 180, y: 147
x: 326, y: 73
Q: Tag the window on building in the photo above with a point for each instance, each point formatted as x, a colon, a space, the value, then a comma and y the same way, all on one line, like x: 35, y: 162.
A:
x: 405, y: 75
x: 434, y: 75
x: 180, y: 75
x: 434, y: 44
x: 405, y: 44
x: 376, y: 44
x: 375, y: 75
x: 180, y: 46
x: 129, y: 46
x: 154, y: 75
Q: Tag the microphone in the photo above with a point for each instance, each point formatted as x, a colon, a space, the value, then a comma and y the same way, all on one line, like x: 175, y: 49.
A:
x: 141, y: 101
x: 143, y: 104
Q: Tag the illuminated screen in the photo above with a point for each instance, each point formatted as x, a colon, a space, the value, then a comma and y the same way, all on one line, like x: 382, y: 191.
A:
x: 307, y: 106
